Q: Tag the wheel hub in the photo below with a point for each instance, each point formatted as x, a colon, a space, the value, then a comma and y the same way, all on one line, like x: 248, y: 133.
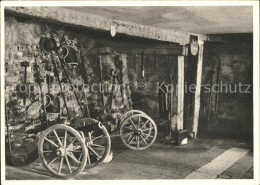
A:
x: 138, y: 132
x: 61, y: 151
x: 88, y: 143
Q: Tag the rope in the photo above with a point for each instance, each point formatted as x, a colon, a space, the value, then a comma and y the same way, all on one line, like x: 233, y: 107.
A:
x: 187, y: 108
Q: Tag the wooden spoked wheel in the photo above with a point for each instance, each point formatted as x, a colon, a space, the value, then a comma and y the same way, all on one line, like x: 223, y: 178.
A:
x: 129, y: 113
x: 62, y: 151
x: 138, y: 132
x: 97, y: 140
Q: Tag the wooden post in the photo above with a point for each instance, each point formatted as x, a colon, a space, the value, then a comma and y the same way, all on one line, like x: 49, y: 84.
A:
x: 180, y: 94
x: 180, y: 134
x: 197, y: 92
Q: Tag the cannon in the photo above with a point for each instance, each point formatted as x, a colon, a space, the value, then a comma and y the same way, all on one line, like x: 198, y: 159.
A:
x: 65, y: 150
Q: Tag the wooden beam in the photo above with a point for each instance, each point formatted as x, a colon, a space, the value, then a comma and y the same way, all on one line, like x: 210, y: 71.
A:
x: 180, y: 97
x: 234, y: 37
x: 197, y: 92
x: 134, y: 51
x: 151, y: 32
x: 75, y: 18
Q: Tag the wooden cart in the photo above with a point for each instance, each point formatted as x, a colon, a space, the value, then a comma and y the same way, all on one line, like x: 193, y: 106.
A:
x: 66, y: 150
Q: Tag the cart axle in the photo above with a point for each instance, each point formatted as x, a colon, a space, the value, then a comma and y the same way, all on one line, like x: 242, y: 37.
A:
x: 138, y: 132
x: 61, y: 152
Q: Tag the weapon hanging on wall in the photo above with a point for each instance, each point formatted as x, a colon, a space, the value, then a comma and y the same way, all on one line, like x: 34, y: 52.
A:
x: 38, y: 81
x: 218, y: 82
x: 69, y: 55
x: 142, y: 65
x: 52, y: 101
x: 85, y: 81
x: 67, y: 76
x: 48, y: 46
x: 211, y: 83
x: 155, y: 64
x: 114, y: 75
x: 101, y: 80
x: 163, y: 103
x: 121, y: 79
x: 81, y: 60
x: 118, y: 62
x: 171, y: 74
x: 210, y: 101
x: 25, y: 64
x: 59, y: 81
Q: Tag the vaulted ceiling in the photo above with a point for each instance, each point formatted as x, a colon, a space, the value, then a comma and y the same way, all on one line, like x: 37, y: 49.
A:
x: 194, y: 19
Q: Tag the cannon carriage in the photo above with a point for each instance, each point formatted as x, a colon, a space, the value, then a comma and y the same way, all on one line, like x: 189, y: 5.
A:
x: 66, y: 149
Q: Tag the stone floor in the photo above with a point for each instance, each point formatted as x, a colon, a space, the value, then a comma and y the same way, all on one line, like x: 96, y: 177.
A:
x: 160, y: 161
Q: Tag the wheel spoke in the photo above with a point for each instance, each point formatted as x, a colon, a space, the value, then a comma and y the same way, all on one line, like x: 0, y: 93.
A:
x: 128, y: 139
x: 97, y: 137
x: 147, y: 129
x: 52, y: 161
x: 68, y: 164
x: 143, y: 139
x: 50, y: 141
x: 71, y: 143
x: 61, y: 163
x: 65, y: 138
x: 90, y: 135
x: 80, y: 156
x: 99, y: 146
x: 148, y: 135
x: 143, y: 128
x: 131, y: 140
x: 57, y: 137
x: 47, y: 151
x: 129, y: 134
x: 75, y: 151
x: 129, y: 128
x: 144, y: 124
x: 71, y: 155
x: 62, y: 150
x: 133, y: 123
x: 92, y: 150
x: 88, y: 158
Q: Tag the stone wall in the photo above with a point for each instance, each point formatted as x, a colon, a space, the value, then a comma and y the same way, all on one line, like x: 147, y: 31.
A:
x: 22, y: 36
x: 25, y: 117
x: 230, y: 113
